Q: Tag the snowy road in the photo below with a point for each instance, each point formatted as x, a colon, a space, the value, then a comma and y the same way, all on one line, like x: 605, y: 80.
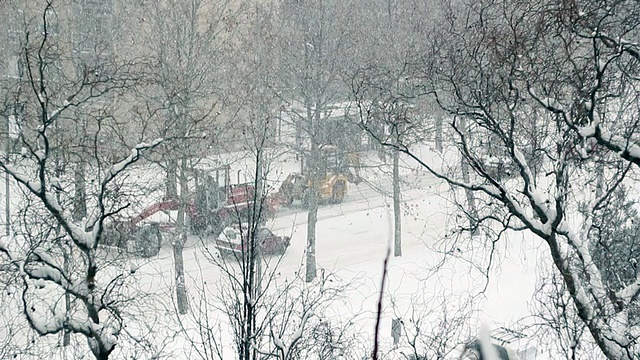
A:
x: 352, y: 241
x: 350, y: 233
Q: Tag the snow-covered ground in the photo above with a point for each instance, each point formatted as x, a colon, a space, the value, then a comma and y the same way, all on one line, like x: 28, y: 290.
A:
x: 352, y: 241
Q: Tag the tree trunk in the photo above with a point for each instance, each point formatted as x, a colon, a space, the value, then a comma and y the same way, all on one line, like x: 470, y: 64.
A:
x: 312, y: 195
x: 66, y: 334
x: 599, y: 178
x: 181, y: 290
x: 312, y: 219
x: 397, y: 216
x: 80, y: 195
x: 102, y: 356
x: 64, y: 248
x: 249, y: 292
x: 179, y: 241
x: 7, y: 177
x: 471, y: 200
x: 439, y: 129
x: 171, y: 190
x: 312, y: 215
x: 258, y: 214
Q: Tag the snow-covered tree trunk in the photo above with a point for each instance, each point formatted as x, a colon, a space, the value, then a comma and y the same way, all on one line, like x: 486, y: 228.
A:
x: 171, y: 182
x: 439, y: 131
x: 397, y: 198
x: 544, y: 145
x: 312, y: 196
x: 180, y: 239
x: 553, y: 176
x: 80, y: 188
x: 472, y: 213
x: 7, y: 183
x: 311, y: 48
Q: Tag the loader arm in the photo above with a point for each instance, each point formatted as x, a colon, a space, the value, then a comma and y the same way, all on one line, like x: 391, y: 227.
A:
x: 168, y: 205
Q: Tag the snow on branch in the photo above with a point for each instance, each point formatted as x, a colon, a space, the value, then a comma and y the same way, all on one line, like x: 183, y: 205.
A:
x: 631, y: 291
x: 111, y: 174
x: 285, y: 349
x: 4, y: 248
x: 45, y: 271
x: 550, y: 104
x: 54, y: 114
x: 579, y: 242
x: 36, y: 187
x: 77, y: 233
x: 529, y: 221
x: 33, y: 186
x: 620, y: 144
x: 60, y: 320
x: 44, y: 325
x: 623, y: 146
x: 132, y: 158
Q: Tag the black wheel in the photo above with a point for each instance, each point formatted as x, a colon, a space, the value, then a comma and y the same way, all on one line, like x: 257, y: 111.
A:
x: 148, y: 241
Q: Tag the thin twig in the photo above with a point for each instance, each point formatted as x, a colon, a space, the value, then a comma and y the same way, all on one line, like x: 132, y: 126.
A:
x: 379, y: 308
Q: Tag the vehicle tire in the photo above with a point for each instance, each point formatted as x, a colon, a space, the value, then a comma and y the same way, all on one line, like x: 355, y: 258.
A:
x: 148, y: 241
x: 338, y: 192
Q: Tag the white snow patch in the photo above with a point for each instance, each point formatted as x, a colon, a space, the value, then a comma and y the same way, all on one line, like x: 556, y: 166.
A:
x: 41, y: 155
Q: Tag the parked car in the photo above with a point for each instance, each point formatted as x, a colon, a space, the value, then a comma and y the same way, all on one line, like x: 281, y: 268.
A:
x: 233, y: 241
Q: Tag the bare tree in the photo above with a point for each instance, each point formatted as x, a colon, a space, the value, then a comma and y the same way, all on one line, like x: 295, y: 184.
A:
x: 311, y: 39
x: 53, y: 249
x: 289, y: 319
x: 434, y: 328
x: 246, y: 271
x: 555, y: 313
x: 266, y: 313
x: 187, y: 42
x: 247, y: 255
x: 541, y: 98
x: 389, y: 102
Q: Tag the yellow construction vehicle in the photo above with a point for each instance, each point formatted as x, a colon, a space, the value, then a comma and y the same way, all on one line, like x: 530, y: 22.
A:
x: 332, y: 188
x: 332, y: 183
